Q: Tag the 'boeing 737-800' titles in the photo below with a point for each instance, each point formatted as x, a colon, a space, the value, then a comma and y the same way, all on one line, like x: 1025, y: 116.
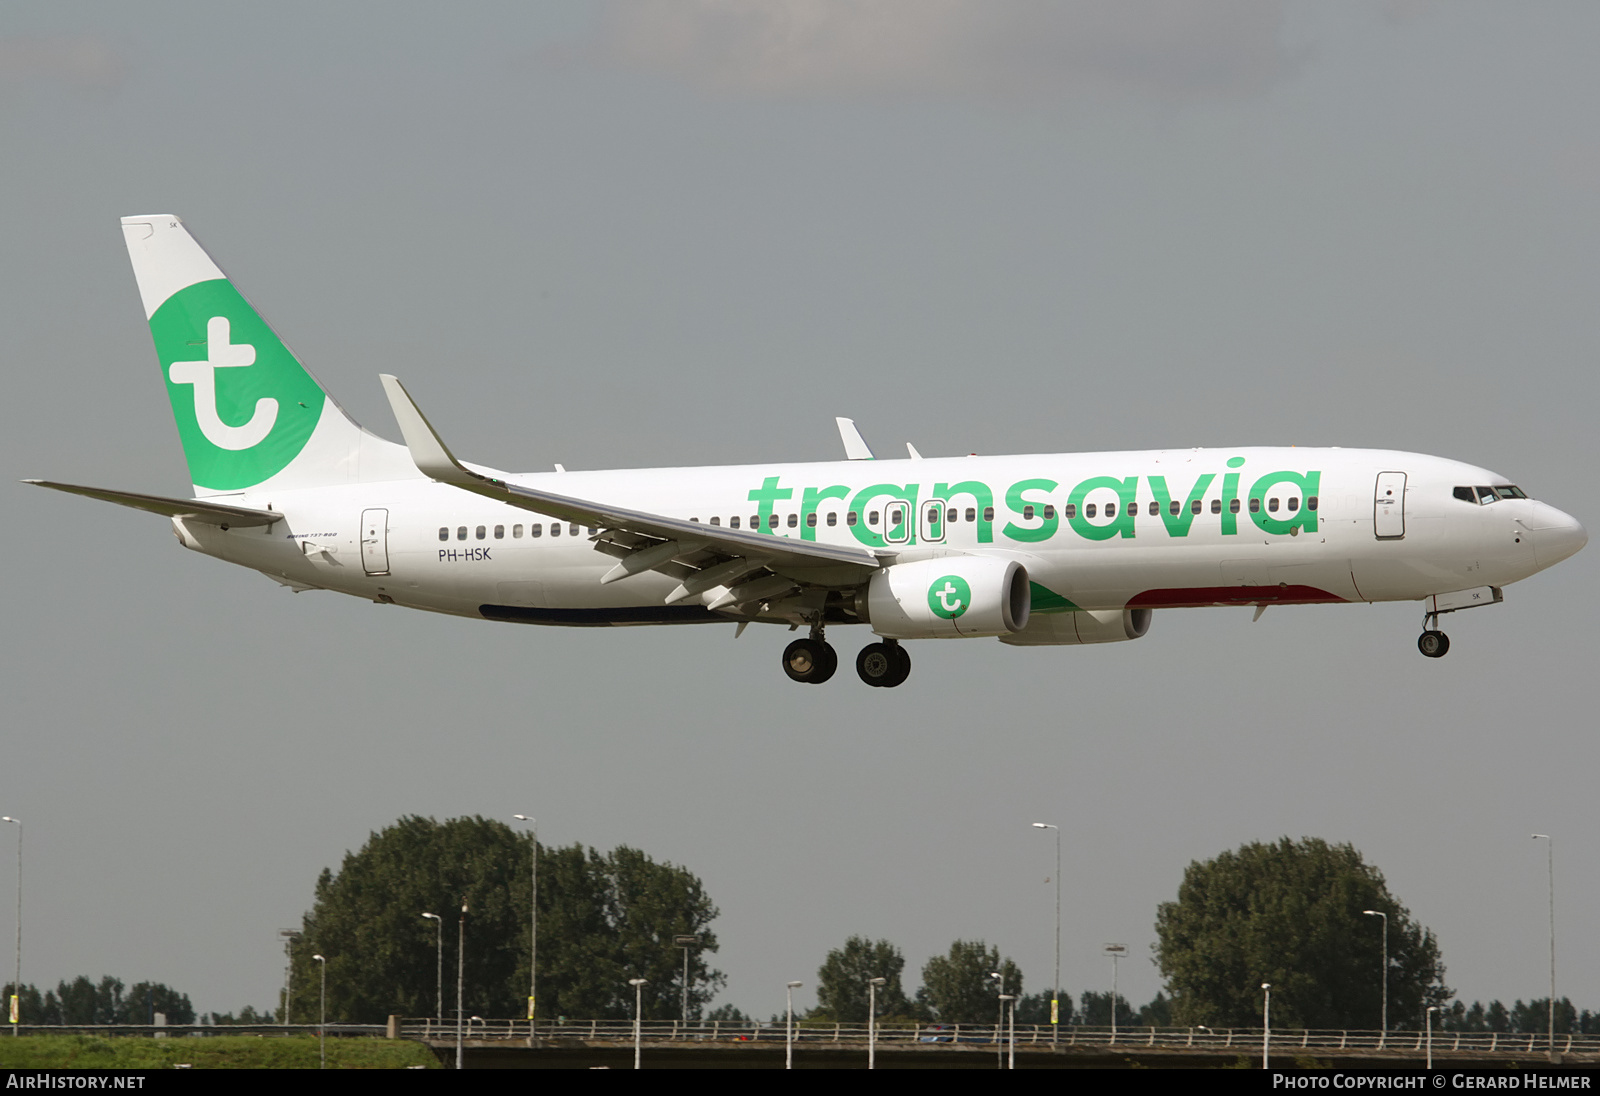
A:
x: 1033, y: 550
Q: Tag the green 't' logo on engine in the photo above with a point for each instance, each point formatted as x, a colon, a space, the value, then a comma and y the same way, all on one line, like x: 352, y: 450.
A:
x: 949, y: 596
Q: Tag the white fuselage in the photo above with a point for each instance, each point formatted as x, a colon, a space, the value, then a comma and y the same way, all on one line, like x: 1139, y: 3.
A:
x: 1231, y: 526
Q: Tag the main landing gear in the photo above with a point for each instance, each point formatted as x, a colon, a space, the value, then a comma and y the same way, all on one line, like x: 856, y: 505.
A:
x: 812, y: 660
x: 1432, y: 642
x: 883, y: 665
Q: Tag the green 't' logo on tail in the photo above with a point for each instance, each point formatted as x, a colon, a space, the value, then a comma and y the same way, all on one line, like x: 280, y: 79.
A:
x: 244, y: 406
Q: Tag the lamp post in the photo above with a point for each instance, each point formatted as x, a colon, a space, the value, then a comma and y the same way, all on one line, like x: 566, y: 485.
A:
x: 438, y: 997
x: 1055, y: 992
x: 461, y: 977
x: 685, y: 940
x: 289, y: 937
x: 533, y: 932
x: 788, y: 1048
x: 322, y: 1015
x: 999, y: 1020
x: 1116, y: 951
x: 16, y: 982
x: 1383, y: 1033
x: 1431, y: 1010
x: 1266, y: 1021
x: 1011, y: 1042
x: 638, y: 1004
x: 1552, y: 861
x: 872, y: 1020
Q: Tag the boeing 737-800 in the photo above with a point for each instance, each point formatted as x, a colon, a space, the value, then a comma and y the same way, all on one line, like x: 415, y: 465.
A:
x: 1032, y: 550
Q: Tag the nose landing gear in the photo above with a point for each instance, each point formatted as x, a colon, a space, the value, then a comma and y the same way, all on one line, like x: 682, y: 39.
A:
x: 1433, y: 643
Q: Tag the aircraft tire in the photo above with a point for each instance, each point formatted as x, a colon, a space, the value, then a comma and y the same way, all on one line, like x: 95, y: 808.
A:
x: 809, y: 661
x: 902, y: 665
x: 876, y: 665
x: 1433, y: 644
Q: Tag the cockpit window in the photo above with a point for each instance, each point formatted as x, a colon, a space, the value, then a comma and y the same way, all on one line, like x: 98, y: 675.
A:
x: 1483, y: 496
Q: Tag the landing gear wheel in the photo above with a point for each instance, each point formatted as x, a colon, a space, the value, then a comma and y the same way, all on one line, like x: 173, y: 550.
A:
x: 883, y: 665
x: 810, y: 661
x: 1433, y: 644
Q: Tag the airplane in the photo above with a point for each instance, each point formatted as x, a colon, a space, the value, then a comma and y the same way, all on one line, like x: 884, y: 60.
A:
x: 1034, y: 550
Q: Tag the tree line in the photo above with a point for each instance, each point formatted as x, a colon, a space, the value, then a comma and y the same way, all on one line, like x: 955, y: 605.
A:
x: 1313, y: 919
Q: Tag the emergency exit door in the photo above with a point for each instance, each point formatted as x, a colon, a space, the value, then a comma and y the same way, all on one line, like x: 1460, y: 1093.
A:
x: 375, y: 541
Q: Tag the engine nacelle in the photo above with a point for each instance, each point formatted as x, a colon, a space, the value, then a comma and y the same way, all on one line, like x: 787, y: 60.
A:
x: 948, y: 597
x: 1084, y: 626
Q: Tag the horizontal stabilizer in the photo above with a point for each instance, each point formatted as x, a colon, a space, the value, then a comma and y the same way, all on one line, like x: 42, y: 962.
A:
x: 207, y: 513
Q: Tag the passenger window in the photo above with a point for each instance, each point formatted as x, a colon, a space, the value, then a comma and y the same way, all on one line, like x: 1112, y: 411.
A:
x: 461, y: 532
x: 988, y: 513
x: 933, y: 515
x: 535, y: 530
x: 1272, y: 505
x: 1294, y: 504
x: 972, y: 514
x: 1027, y: 513
x: 1111, y: 509
x: 1155, y: 509
x: 1233, y: 506
x: 1255, y: 506
x: 555, y: 528
x: 755, y: 521
x: 1070, y: 510
x: 716, y: 521
x: 733, y: 522
x: 1049, y: 513
x: 695, y: 520
x: 772, y: 521
x: 1172, y: 507
x: 833, y: 517
x: 1216, y: 506
x: 850, y: 518
x: 499, y: 532
x: 872, y: 517
x: 572, y: 529
x: 516, y: 532
x: 811, y: 520
x: 1311, y: 503
x: 1089, y: 510
x: 1194, y: 507
x: 444, y: 532
x: 794, y: 520
x: 482, y: 532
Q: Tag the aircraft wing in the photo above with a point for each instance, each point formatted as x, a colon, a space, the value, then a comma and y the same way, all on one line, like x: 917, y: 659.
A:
x: 647, y: 541
x: 208, y: 513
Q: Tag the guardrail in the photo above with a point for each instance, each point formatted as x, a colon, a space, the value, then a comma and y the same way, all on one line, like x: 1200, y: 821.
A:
x: 1027, y: 1035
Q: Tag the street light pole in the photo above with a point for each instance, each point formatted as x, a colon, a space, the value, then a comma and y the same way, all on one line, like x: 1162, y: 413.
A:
x: 1266, y: 1022
x: 322, y: 1015
x: 1383, y: 1033
x: 461, y: 977
x: 533, y: 933
x: 685, y: 941
x: 1011, y: 1042
x: 438, y: 997
x: 788, y: 1049
x: 872, y: 1020
x: 16, y: 983
x: 1116, y: 951
x: 1431, y: 1010
x: 1055, y: 992
x: 1552, y: 860
x: 638, y: 1005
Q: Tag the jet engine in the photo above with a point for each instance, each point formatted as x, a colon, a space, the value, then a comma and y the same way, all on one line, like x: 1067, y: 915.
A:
x: 1084, y: 626
x: 947, y: 597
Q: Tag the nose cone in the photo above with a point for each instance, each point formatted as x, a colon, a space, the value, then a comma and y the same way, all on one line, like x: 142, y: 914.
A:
x: 1555, y: 535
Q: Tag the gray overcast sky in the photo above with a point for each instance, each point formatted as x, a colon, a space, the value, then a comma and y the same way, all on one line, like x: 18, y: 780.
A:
x: 692, y: 233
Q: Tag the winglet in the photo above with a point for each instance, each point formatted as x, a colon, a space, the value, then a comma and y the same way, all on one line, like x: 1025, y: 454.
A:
x: 855, y: 447
x: 428, y: 451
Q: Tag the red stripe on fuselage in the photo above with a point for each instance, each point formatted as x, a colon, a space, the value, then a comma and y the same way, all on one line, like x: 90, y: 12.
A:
x: 1196, y: 597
